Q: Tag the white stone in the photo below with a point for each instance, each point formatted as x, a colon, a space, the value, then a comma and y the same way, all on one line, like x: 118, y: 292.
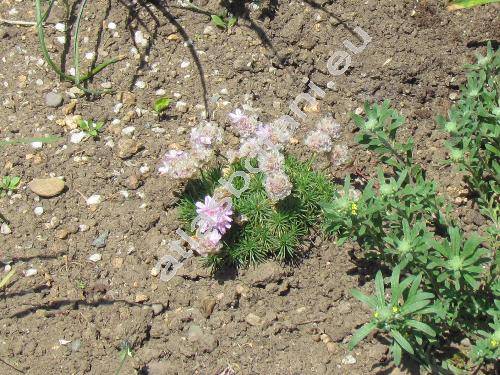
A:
x: 36, y: 145
x: 89, y: 55
x: 60, y: 27
x: 140, y: 84
x: 61, y: 39
x: 77, y: 137
x: 129, y: 130
x: 30, y: 272
x: 38, y: 210
x: 160, y: 92
x: 64, y: 342
x: 95, y: 257
x: 112, y: 26
x: 117, y: 107
x: 5, y: 229
x: 140, y: 39
x: 185, y: 64
x: 348, y: 360
x: 94, y: 199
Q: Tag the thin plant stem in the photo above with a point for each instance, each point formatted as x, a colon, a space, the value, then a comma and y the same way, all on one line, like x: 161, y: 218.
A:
x: 77, y: 80
x: 12, y: 367
x: 76, y: 54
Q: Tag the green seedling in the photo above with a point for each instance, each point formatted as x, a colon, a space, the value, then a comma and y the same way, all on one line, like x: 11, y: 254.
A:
x: 80, y: 284
x: 125, y: 352
x: 90, y: 127
x: 223, y: 21
x: 9, y: 183
x: 161, y: 105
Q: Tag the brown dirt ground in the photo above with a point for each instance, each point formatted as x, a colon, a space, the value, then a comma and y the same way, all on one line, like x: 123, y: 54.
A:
x: 415, y: 59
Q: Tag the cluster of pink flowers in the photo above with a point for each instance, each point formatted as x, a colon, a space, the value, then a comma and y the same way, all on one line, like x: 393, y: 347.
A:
x: 321, y: 140
x: 264, y: 142
x: 213, y: 221
x: 184, y: 164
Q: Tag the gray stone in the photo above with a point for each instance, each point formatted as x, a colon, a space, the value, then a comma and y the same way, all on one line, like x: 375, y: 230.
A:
x: 101, y: 240
x: 157, y: 308
x: 53, y: 99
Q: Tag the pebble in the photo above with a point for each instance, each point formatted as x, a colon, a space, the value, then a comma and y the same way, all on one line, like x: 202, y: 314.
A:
x: 76, y: 345
x: 185, y: 64
x: 253, y: 320
x: 77, y: 137
x: 94, y: 199
x: 157, y: 308
x: 133, y: 182
x: 209, y: 30
x: 38, y: 211
x: 129, y: 130
x: 83, y: 227
x: 60, y: 27
x: 139, y: 298
x: 207, y: 306
x: 95, y: 257
x: 140, y: 39
x: 53, y: 99
x: 127, y: 148
x: 160, y: 92
x: 348, y: 360
x: 140, y: 84
x: 30, y: 272
x: 47, y: 187
x: 37, y: 145
x: 181, y: 107
x: 331, y: 347
x: 117, y: 262
x: 454, y: 96
x: 101, y: 240
x: 62, y: 234
x: 5, y: 229
x: 112, y: 26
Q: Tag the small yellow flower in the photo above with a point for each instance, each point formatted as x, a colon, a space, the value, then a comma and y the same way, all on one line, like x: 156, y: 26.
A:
x: 395, y: 309
x: 376, y: 314
x: 493, y: 343
x: 354, y: 209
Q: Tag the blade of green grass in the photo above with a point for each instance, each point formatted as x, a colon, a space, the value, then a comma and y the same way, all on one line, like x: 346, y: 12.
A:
x: 463, y: 4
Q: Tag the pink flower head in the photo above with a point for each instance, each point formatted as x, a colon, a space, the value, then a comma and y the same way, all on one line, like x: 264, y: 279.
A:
x: 214, y: 215
x: 319, y: 141
x: 204, y: 137
x: 271, y: 161
x: 249, y: 148
x: 243, y: 124
x: 281, y: 131
x: 207, y: 243
x: 178, y: 164
x: 278, y: 186
x: 329, y: 126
